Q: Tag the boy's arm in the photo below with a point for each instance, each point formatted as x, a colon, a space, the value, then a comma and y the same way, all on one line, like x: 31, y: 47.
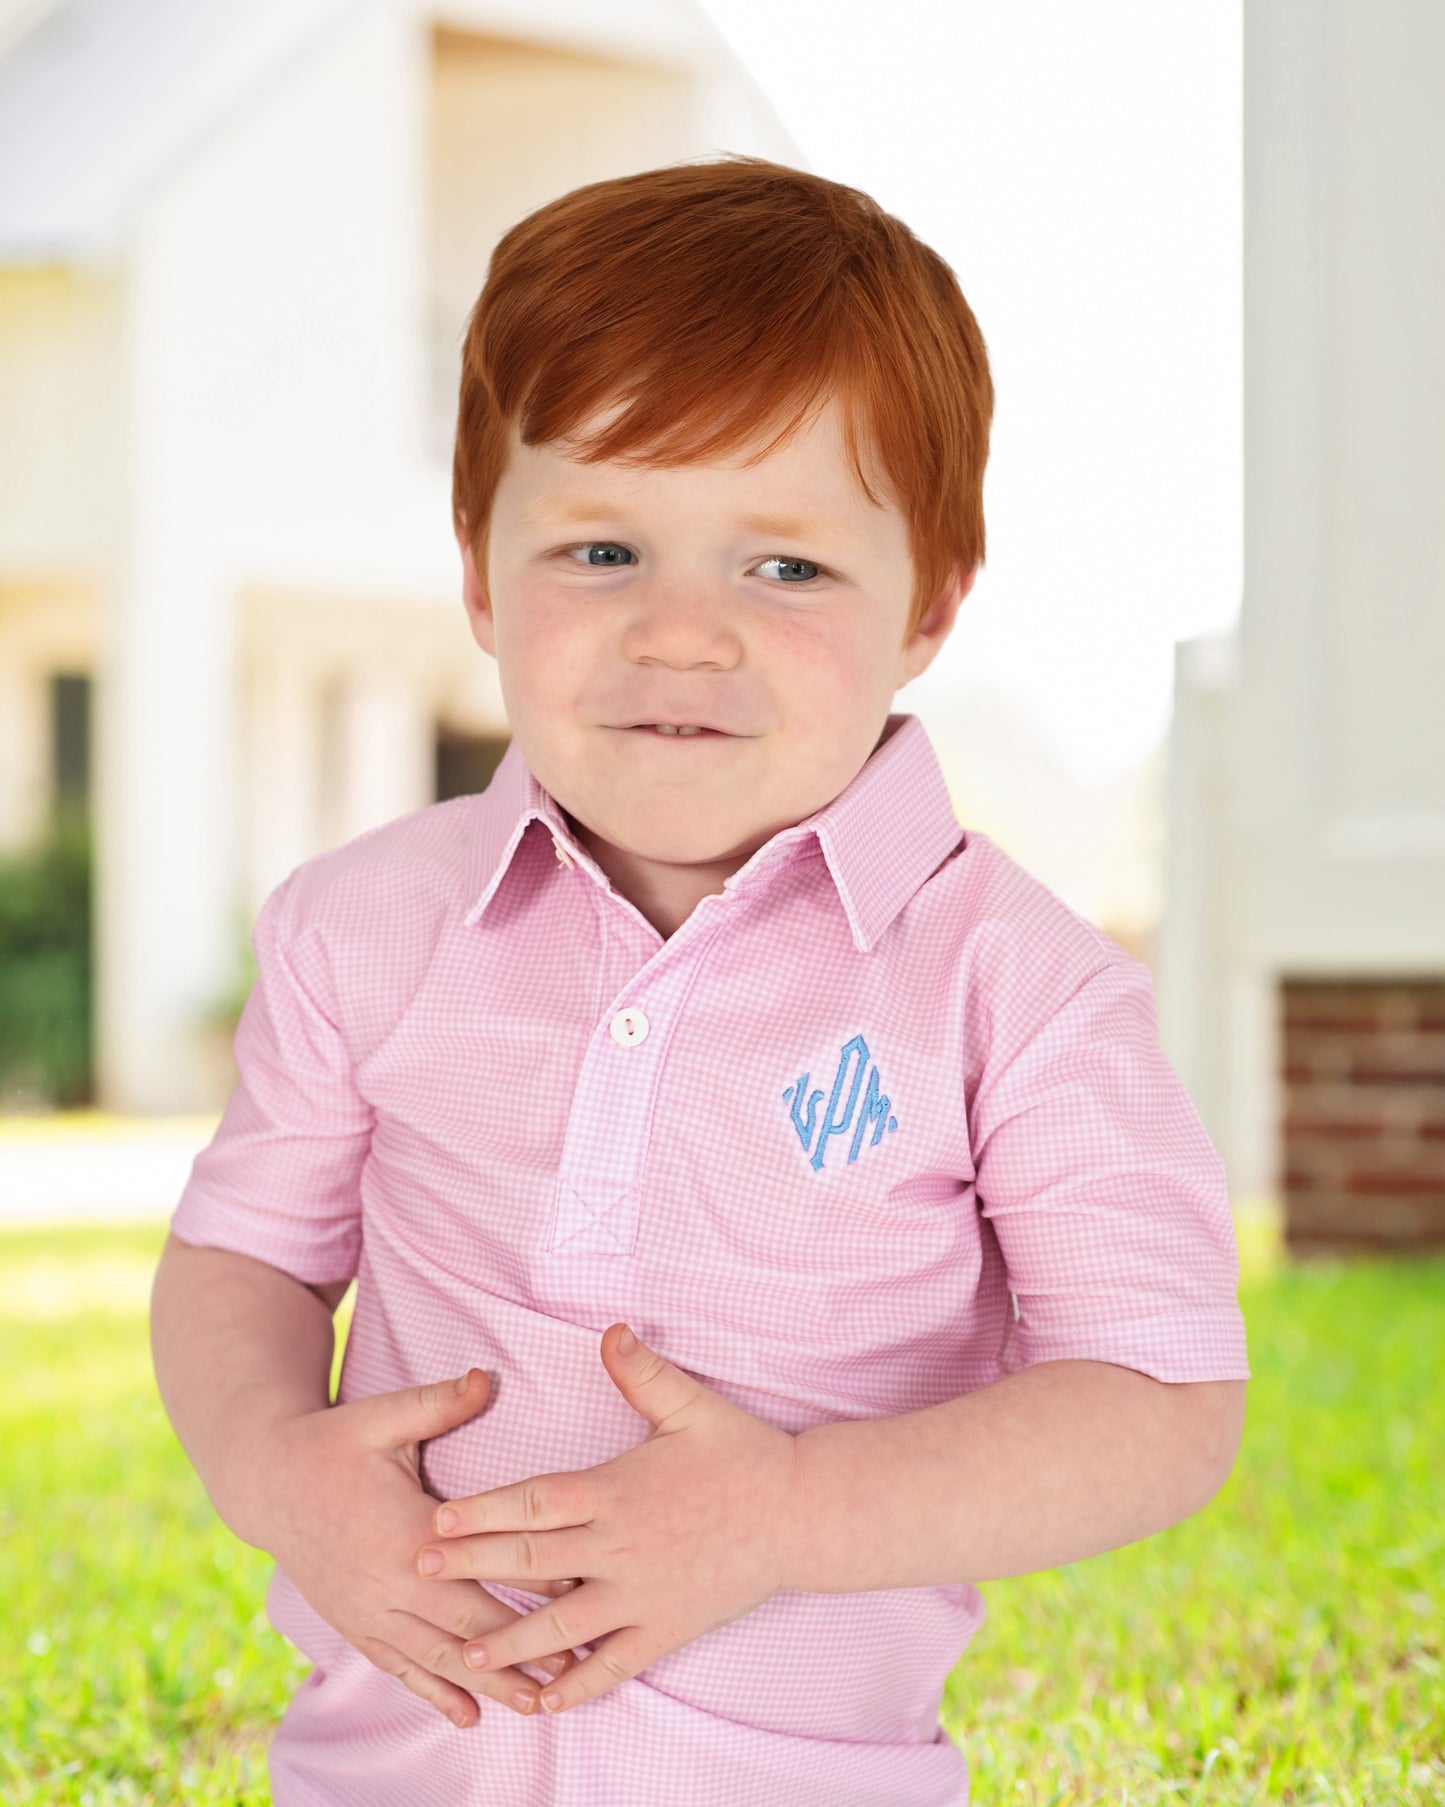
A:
x: 1050, y: 1465
x: 238, y: 1346
x: 243, y: 1356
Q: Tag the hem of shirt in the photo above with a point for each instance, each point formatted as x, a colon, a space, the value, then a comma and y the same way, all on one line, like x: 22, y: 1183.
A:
x: 210, y: 1223
x: 1219, y: 1352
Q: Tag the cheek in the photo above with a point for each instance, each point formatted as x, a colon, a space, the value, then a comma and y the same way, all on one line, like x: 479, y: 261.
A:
x: 833, y: 668
x: 541, y: 650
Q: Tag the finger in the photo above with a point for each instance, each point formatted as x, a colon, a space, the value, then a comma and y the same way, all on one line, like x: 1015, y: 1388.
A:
x: 653, y: 1386
x: 456, y: 1703
x: 581, y: 1618
x: 414, y: 1414
x: 616, y: 1659
x: 508, y: 1553
x: 470, y: 1610
x: 428, y: 1651
x: 546, y: 1502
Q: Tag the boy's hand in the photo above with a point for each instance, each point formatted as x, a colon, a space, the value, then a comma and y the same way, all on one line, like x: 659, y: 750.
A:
x: 688, y: 1530
x: 345, y: 1529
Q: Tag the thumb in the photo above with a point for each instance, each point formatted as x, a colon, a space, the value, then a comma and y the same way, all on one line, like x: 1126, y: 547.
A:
x: 413, y: 1414
x: 649, y: 1383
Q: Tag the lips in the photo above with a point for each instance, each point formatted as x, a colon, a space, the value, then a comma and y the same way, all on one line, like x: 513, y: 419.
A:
x: 662, y: 731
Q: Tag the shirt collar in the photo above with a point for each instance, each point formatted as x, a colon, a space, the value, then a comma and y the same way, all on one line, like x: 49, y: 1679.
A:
x: 882, y: 835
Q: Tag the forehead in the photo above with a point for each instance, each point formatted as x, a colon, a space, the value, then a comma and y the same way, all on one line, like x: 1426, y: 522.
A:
x: 805, y: 484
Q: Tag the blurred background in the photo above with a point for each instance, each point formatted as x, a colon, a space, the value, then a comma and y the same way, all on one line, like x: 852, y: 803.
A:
x: 1197, y: 690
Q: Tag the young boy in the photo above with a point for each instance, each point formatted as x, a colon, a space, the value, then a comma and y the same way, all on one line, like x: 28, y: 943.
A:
x: 707, y: 1022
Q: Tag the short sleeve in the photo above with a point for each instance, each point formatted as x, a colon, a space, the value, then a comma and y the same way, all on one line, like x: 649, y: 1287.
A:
x: 280, y: 1179
x: 1107, y: 1198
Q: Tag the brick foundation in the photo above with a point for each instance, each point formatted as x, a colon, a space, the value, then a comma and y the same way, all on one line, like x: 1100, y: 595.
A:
x: 1364, y: 1128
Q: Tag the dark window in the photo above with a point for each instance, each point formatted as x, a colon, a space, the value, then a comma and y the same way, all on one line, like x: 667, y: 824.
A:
x: 465, y: 762
x: 70, y: 740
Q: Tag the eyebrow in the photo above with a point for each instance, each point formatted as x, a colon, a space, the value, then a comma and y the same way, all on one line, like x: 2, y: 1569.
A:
x: 789, y: 526
x: 564, y: 513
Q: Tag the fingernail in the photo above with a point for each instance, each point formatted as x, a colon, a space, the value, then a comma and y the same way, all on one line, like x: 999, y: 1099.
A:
x: 553, y: 1666
x: 626, y: 1341
x: 445, y: 1520
x: 524, y: 1700
x: 476, y: 1655
x: 461, y: 1385
x: 431, y: 1562
x: 551, y: 1700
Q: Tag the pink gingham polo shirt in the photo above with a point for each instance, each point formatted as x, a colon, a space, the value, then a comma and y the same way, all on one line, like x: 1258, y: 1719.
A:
x: 812, y: 1147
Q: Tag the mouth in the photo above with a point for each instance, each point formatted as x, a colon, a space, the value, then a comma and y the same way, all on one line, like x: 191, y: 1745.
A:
x: 661, y: 731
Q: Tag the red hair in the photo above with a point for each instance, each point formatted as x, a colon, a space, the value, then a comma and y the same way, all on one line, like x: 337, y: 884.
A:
x: 717, y: 299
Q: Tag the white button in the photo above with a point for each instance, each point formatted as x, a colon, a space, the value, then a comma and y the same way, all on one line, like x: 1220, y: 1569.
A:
x: 562, y: 853
x: 629, y: 1027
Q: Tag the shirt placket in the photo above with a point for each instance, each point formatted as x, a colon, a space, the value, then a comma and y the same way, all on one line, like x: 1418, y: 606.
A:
x: 596, y: 1209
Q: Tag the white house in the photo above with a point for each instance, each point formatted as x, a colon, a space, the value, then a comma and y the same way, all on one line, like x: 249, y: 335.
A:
x: 1301, y: 962
x: 238, y: 245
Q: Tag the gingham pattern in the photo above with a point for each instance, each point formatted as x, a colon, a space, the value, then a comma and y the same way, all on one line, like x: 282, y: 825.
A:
x: 433, y: 1099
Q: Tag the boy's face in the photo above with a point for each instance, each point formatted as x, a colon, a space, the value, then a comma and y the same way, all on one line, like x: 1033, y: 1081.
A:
x: 766, y: 603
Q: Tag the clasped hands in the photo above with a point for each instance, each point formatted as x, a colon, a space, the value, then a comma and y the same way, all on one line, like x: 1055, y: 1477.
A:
x: 686, y: 1531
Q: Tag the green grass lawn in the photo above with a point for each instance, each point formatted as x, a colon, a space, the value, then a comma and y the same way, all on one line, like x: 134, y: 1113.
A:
x: 1285, y: 1644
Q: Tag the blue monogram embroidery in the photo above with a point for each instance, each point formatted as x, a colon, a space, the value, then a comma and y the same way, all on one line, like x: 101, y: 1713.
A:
x: 876, y: 1107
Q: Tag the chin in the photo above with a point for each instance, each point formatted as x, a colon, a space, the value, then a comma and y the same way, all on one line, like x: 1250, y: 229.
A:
x: 681, y: 845
x: 682, y: 852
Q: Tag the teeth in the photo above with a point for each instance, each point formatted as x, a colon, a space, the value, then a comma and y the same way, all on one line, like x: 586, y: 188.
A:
x: 663, y: 728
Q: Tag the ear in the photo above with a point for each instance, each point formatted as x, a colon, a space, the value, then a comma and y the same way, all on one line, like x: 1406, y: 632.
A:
x: 478, y: 603
x: 926, y: 640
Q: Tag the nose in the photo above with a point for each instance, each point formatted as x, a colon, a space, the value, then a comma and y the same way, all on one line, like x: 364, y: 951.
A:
x: 682, y: 626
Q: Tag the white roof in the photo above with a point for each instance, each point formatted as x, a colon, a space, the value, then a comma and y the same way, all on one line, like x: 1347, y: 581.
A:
x: 99, y: 97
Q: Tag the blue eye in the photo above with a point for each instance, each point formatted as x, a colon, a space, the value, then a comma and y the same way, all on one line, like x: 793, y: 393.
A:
x: 799, y: 570
x: 613, y: 553
x: 606, y: 555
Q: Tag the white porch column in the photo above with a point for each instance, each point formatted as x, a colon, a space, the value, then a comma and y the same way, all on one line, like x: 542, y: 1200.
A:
x: 164, y: 776
x: 1337, y: 752
x: 282, y: 779
x: 1189, y: 944
x: 382, y: 749
x: 165, y: 825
